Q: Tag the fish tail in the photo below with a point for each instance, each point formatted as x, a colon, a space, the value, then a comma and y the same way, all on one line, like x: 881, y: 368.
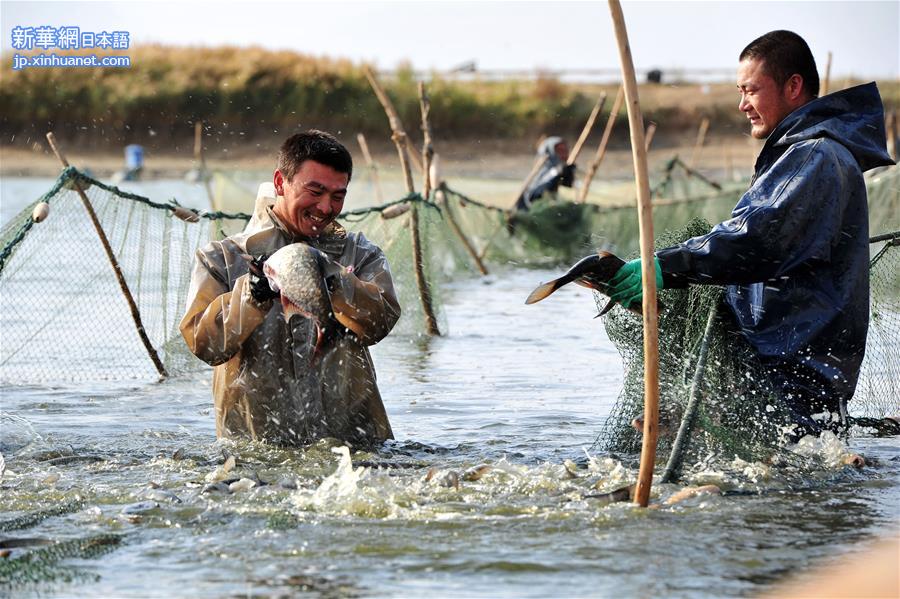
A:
x: 546, y: 289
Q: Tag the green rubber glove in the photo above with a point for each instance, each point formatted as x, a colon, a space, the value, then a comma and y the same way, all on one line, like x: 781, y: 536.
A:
x: 625, y: 286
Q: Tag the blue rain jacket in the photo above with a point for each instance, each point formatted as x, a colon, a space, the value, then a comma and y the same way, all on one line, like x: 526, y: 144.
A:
x: 795, y: 252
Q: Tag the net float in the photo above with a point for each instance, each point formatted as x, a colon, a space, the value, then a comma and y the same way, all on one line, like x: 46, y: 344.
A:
x: 40, y: 212
x: 394, y: 211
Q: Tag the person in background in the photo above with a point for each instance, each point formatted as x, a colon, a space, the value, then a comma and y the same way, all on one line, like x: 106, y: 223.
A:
x: 553, y: 172
x: 795, y: 253
x: 233, y: 323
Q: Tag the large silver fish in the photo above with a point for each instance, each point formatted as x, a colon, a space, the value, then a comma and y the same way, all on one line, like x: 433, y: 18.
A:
x: 296, y: 408
x: 295, y: 271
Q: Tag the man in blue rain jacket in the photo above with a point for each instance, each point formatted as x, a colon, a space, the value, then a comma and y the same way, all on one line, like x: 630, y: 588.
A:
x: 795, y: 253
x: 554, y: 171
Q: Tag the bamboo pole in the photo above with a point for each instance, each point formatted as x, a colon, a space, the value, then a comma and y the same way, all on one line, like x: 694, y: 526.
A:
x: 601, y: 149
x: 645, y: 222
x: 399, y: 138
x: 427, y: 157
x: 651, y: 131
x: 699, y: 142
x: 891, y: 127
x: 373, y: 168
x: 451, y: 218
x: 427, y: 146
x: 692, y: 173
x: 586, y: 131
x: 198, y: 141
x: 827, y: 80
x: 201, y: 161
x: 123, y: 285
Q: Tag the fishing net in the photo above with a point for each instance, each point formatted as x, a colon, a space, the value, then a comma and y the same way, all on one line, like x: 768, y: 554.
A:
x: 737, y: 410
x: 555, y: 231
x: 711, y: 384
x: 63, y: 315
x: 878, y: 390
x: 64, y: 318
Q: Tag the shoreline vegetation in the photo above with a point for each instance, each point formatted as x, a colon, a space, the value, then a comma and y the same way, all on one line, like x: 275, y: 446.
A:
x: 249, y: 99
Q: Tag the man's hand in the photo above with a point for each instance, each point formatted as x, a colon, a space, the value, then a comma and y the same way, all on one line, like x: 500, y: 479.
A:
x: 259, y: 284
x: 625, y: 286
x: 329, y: 269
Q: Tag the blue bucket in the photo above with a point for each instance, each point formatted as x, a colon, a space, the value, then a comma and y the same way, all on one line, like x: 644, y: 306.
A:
x: 134, y: 157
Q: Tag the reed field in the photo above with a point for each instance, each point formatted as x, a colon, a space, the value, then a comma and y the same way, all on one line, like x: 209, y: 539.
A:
x: 244, y: 94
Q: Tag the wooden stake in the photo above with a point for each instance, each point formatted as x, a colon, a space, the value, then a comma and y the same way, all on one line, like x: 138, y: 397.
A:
x: 827, y: 80
x: 427, y: 156
x: 645, y: 222
x: 586, y: 131
x: 400, y: 140
x: 201, y: 161
x: 601, y: 149
x: 198, y: 141
x: 651, y: 131
x: 123, y: 285
x: 700, y: 142
x: 373, y: 168
x: 427, y: 147
x: 692, y: 173
x: 891, y: 127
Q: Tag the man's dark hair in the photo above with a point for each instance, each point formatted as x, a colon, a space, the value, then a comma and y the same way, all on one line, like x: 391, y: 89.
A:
x: 314, y: 145
x: 784, y: 53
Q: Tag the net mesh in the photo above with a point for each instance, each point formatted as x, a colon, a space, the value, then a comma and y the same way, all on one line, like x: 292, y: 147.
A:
x: 878, y: 390
x: 736, y: 411
x: 63, y: 315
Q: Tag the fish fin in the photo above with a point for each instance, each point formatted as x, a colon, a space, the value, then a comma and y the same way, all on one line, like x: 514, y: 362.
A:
x: 544, y: 290
x: 609, y: 306
x: 622, y: 494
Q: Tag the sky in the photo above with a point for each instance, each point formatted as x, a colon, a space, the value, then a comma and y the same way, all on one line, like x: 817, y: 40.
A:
x: 864, y: 37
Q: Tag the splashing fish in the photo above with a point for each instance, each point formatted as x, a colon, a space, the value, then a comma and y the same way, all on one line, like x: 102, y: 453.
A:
x: 593, y: 272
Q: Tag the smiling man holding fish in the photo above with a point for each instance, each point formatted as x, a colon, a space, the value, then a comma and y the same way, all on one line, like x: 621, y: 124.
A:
x: 295, y: 370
